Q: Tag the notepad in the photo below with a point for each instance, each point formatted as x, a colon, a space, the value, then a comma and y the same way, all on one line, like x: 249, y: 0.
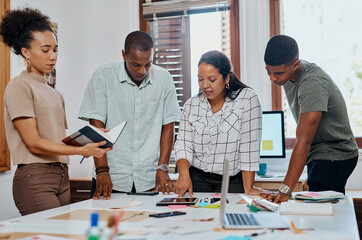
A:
x: 90, y: 134
x: 306, y: 195
x: 315, y: 209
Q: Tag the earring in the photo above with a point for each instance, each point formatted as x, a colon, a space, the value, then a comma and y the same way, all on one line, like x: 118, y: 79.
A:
x: 28, y: 64
x: 227, y: 86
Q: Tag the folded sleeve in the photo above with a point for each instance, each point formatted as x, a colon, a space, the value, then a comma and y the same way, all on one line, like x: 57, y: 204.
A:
x: 19, y: 99
x: 313, y: 97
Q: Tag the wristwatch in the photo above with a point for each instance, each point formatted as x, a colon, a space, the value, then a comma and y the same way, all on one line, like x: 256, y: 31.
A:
x: 163, y: 167
x: 285, y: 189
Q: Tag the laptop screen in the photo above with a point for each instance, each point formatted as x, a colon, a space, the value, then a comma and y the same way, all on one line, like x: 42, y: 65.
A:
x: 273, y: 138
x: 224, y: 191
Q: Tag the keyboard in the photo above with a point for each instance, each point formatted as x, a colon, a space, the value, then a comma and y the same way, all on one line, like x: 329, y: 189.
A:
x: 241, y: 219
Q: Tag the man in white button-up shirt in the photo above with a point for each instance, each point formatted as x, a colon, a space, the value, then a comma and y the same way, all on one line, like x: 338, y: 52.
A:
x: 144, y: 95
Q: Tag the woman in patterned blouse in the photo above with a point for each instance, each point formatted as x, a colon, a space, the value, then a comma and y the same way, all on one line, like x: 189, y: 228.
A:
x: 222, y: 122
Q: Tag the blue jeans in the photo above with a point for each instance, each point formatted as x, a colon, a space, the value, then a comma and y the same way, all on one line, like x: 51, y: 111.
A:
x: 326, y: 175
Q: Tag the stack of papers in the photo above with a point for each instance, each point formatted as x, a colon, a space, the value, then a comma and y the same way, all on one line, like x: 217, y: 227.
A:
x: 263, y: 204
x: 260, y: 204
x: 316, y: 196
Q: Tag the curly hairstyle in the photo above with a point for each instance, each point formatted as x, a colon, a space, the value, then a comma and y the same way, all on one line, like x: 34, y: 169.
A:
x: 222, y: 63
x: 18, y: 25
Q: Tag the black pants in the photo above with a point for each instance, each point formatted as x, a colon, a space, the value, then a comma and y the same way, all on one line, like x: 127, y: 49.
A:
x: 211, y: 182
x: 326, y: 175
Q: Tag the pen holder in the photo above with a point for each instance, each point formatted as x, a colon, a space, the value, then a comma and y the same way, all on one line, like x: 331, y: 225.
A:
x: 262, y: 169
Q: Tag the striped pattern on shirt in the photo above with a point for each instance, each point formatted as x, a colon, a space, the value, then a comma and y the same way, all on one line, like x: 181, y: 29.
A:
x: 206, y: 139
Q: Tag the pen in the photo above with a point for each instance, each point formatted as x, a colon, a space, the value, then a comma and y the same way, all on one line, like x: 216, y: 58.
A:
x: 81, y: 160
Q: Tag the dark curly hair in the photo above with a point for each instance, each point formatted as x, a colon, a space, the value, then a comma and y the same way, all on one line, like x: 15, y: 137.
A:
x: 18, y: 25
x: 222, y: 63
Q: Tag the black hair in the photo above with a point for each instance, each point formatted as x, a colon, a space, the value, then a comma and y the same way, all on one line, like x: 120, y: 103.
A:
x: 222, y: 63
x: 138, y: 40
x: 18, y: 26
x: 281, y: 49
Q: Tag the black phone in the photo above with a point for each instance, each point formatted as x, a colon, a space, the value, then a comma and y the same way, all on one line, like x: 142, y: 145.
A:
x: 167, y: 214
x: 143, y: 193
x: 177, y: 201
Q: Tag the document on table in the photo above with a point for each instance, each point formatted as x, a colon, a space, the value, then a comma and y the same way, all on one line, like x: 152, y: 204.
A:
x: 296, y: 208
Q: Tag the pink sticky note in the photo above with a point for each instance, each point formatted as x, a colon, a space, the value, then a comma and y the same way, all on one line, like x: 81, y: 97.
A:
x: 177, y: 206
x: 311, y: 194
x: 216, y: 195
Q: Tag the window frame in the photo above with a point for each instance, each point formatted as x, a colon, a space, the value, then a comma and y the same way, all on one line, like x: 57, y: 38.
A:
x: 276, y: 90
x: 234, y: 32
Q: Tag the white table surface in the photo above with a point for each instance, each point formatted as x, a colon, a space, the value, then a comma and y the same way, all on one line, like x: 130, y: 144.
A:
x: 340, y: 226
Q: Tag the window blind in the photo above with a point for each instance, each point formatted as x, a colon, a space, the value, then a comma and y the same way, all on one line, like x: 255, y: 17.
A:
x: 171, y: 8
x: 172, y: 52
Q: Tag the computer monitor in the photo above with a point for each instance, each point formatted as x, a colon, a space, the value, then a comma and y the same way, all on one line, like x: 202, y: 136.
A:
x: 272, y: 143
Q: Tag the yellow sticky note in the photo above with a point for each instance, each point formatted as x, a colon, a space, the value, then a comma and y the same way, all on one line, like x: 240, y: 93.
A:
x: 267, y: 144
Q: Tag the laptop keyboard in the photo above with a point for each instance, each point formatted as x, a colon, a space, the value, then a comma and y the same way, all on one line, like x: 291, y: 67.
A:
x: 241, y: 219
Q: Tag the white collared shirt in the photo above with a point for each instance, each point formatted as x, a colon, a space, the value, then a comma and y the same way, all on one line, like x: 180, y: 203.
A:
x: 112, y: 98
x: 206, y: 139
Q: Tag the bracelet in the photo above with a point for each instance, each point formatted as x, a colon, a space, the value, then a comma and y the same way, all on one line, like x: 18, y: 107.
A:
x: 98, y: 169
x: 102, y: 174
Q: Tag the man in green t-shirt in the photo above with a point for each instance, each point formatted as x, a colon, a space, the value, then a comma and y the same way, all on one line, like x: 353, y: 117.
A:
x: 324, y: 139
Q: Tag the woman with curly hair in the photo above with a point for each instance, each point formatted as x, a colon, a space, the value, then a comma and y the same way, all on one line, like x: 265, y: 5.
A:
x: 35, y: 120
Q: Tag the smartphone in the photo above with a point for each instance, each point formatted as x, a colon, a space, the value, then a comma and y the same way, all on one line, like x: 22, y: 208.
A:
x: 167, y: 214
x: 143, y: 193
x: 177, y: 201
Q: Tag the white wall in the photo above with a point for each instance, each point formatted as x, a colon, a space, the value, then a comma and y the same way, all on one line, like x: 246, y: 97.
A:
x: 90, y: 33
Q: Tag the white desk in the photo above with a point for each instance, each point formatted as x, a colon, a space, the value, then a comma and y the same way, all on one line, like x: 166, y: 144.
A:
x: 340, y: 226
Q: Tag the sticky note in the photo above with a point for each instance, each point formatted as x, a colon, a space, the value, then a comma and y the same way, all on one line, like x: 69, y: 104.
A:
x: 233, y: 237
x: 203, y: 204
x: 177, y: 206
x: 267, y: 144
x: 216, y: 195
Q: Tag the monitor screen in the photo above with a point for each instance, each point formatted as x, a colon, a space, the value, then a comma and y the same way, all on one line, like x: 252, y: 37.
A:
x: 272, y: 143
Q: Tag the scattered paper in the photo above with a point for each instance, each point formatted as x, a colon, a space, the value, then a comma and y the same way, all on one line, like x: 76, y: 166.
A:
x: 132, y: 204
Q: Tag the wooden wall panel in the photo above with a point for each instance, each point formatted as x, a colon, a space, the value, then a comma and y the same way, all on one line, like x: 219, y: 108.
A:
x: 4, y: 78
x: 275, y: 30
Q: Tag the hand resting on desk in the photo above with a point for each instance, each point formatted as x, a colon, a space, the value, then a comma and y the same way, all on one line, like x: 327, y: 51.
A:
x: 275, y: 196
x: 183, y: 184
x: 163, y: 183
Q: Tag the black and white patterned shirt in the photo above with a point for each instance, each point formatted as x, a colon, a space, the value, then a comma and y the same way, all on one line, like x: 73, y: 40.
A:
x: 206, y: 139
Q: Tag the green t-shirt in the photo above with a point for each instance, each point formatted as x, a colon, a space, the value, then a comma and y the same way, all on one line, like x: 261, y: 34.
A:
x: 315, y: 91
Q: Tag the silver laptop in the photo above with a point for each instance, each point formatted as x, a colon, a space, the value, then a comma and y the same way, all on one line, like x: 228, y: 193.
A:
x: 245, y: 220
